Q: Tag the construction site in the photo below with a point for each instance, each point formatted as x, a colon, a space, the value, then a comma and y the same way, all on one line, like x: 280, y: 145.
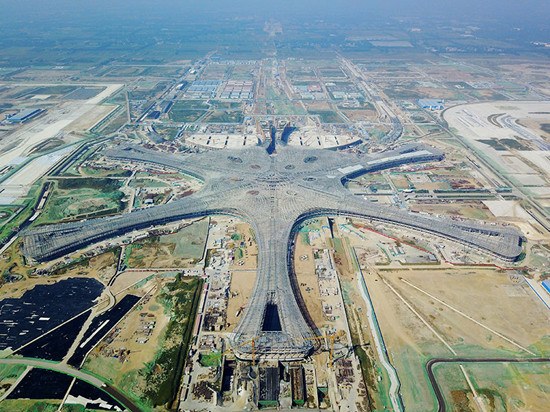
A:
x: 270, y: 352
x: 291, y: 237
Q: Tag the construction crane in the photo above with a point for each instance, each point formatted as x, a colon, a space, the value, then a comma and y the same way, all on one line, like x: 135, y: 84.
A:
x: 252, y: 343
x: 330, y: 339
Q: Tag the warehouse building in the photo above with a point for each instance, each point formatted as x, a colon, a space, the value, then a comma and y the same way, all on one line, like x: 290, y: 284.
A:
x: 24, y: 115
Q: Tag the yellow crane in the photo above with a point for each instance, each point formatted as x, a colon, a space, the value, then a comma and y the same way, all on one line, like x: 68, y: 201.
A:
x: 330, y: 338
x: 252, y: 343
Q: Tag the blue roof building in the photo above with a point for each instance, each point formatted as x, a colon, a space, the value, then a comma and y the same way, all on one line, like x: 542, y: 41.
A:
x: 24, y: 115
x: 432, y: 104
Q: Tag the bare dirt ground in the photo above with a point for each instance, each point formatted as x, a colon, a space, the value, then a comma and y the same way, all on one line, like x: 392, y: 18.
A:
x: 316, y: 237
x: 304, y: 265
x: 182, y: 249
x: 121, y: 355
x: 240, y: 290
x: 361, y: 115
x: 318, y: 106
x: 473, y: 210
x: 507, y: 303
x: 509, y: 307
x: 128, y: 278
x: 437, y: 93
x: 248, y: 247
x: 158, y: 256
x: 537, y: 126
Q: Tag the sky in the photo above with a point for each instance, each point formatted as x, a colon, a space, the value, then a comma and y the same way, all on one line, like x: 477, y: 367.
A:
x: 52, y: 31
x: 510, y: 10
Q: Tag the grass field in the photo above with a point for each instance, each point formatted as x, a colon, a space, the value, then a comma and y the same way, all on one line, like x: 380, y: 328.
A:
x: 163, y: 71
x: 282, y: 105
x: 151, y: 373
x: 82, y: 198
x: 114, y: 123
x: 502, y: 386
x: 9, y: 375
x: 6, y: 212
x: 219, y: 116
x: 29, y: 405
x: 167, y: 133
x: 145, y: 182
x: 26, y: 212
x: 87, y: 171
x: 332, y: 73
x: 185, y: 115
x: 218, y: 104
x: 327, y: 116
x: 163, y: 375
x: 55, y: 89
x: 175, y: 250
x: 210, y: 360
x: 182, y: 105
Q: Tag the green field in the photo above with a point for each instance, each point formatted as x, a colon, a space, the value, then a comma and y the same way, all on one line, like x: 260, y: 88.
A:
x: 226, y: 105
x: 185, y: 116
x: 327, y: 116
x: 210, y: 360
x: 9, y: 375
x: 163, y: 71
x: 55, y: 89
x: 189, y: 241
x: 504, y: 144
x: 27, y: 405
x: 171, y: 250
x: 190, y: 104
x: 105, y: 172
x: 26, y: 212
x: 120, y: 71
x: 224, y: 117
x: 167, y: 132
x: 6, y: 212
x: 334, y: 73
x: 163, y: 375
x: 503, y: 386
x: 144, y: 182
x: 282, y: 105
x: 82, y: 198
x: 114, y: 123
x: 155, y: 385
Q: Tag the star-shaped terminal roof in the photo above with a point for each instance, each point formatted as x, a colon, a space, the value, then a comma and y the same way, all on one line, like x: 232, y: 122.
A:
x: 274, y: 191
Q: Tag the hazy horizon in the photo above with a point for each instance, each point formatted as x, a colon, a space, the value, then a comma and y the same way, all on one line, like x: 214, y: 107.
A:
x: 514, y: 11
x: 75, y: 31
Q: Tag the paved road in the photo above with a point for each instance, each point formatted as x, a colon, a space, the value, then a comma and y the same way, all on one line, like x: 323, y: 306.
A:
x: 441, y: 407
x: 68, y: 370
